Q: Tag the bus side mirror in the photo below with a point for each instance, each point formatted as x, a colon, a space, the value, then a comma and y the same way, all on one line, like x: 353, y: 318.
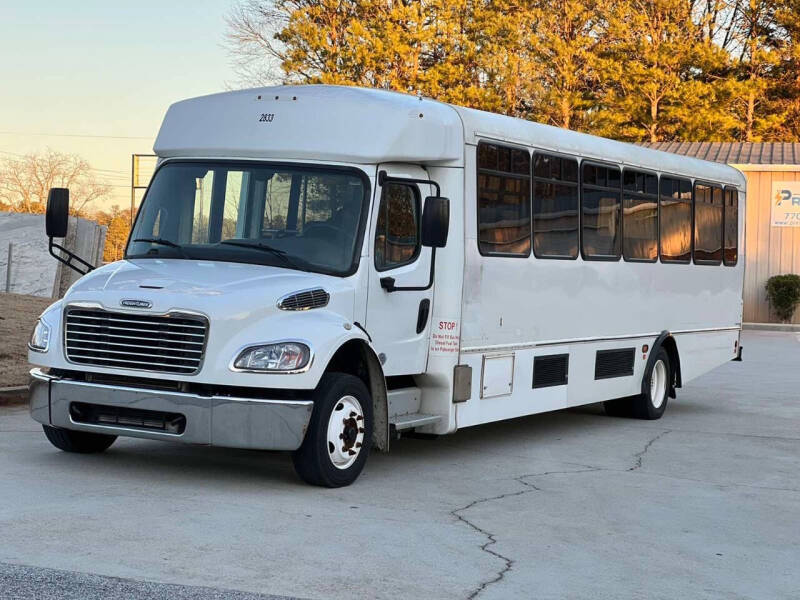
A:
x: 55, y: 224
x: 435, y: 221
x: 57, y: 215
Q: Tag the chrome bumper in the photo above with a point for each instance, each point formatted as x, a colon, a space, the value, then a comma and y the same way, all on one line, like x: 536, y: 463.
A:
x: 210, y: 420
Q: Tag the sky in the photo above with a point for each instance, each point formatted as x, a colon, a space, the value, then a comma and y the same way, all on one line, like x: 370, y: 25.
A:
x: 70, y: 70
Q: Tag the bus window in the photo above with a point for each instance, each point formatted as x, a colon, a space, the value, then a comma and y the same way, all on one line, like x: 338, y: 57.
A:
x: 555, y: 206
x: 600, y: 205
x: 708, y: 210
x: 640, y: 216
x: 675, y: 236
x: 504, y: 208
x: 731, y: 226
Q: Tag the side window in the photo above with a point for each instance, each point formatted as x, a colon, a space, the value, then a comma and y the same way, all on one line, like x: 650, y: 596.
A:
x: 731, y: 254
x: 708, y: 211
x: 504, y: 205
x: 640, y: 216
x: 675, y: 220
x: 397, y: 238
x: 600, y: 206
x: 555, y: 206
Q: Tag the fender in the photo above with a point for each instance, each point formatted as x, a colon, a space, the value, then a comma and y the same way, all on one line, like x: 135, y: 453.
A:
x: 665, y: 340
x: 356, y: 350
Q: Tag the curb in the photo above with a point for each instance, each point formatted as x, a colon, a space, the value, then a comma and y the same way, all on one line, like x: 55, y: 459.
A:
x: 14, y: 395
x: 770, y: 327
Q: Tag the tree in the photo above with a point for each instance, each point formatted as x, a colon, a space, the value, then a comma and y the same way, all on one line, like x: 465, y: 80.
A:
x: 565, y: 38
x: 661, y: 79
x: 118, y: 222
x: 629, y: 69
x: 787, y: 19
x: 26, y: 181
x: 463, y: 51
x: 752, y: 39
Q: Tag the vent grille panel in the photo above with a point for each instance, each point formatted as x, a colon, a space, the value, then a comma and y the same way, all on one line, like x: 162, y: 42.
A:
x: 614, y: 363
x: 305, y: 300
x: 172, y: 343
x: 121, y: 416
x: 550, y: 370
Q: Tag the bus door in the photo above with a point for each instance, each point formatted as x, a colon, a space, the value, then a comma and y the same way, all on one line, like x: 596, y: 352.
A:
x: 398, y: 320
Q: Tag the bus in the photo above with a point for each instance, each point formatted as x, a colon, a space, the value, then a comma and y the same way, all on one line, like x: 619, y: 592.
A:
x: 321, y: 269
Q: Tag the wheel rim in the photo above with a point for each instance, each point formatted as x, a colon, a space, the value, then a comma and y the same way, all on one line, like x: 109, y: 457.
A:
x: 658, y: 384
x: 345, y: 432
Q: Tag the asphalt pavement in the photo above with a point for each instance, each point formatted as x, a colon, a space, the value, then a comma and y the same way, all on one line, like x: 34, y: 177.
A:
x: 704, y: 503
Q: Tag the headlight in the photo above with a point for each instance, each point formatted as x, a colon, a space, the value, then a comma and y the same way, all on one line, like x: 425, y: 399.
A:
x: 40, y: 338
x: 282, y: 356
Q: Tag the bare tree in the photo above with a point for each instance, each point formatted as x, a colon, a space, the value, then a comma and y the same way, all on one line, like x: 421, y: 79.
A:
x: 26, y: 181
x: 252, y: 41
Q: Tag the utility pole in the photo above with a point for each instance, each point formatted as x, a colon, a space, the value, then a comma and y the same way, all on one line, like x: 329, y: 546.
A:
x: 8, y: 266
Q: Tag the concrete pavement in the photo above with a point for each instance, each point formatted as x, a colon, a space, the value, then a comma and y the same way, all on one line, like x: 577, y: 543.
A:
x: 704, y: 503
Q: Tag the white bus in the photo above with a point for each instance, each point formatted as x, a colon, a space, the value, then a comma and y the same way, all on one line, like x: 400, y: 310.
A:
x: 318, y: 269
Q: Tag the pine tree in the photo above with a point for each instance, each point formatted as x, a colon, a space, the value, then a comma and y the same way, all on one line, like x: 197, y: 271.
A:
x: 637, y: 70
x: 787, y: 90
x: 657, y: 76
x: 565, y: 37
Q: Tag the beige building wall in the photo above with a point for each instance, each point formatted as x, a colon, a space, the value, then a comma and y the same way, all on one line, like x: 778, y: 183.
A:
x: 769, y: 250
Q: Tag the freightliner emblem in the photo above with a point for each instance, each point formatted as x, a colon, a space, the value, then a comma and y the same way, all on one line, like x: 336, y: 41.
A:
x: 136, y: 303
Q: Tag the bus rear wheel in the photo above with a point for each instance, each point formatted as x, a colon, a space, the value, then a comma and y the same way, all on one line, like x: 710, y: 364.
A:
x: 650, y: 404
x: 339, y: 434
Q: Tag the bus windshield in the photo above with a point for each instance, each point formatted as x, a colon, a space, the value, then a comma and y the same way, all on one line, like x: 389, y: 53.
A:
x: 291, y: 216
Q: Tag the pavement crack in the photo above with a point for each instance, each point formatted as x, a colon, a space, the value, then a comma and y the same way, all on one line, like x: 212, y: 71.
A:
x: 508, y: 562
x: 639, y: 456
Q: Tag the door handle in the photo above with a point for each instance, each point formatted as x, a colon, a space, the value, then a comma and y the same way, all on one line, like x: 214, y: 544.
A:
x: 422, y: 315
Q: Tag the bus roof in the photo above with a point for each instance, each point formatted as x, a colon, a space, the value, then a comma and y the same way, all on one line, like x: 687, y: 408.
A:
x: 314, y: 122
x: 479, y: 125
x: 367, y: 126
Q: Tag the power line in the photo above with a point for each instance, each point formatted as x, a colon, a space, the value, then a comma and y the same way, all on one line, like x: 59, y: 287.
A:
x: 79, y: 135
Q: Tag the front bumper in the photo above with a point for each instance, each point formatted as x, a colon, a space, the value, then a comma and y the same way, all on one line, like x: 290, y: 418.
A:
x: 210, y: 420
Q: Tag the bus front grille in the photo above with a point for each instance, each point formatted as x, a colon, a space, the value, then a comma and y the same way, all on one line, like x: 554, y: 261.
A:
x: 172, y: 343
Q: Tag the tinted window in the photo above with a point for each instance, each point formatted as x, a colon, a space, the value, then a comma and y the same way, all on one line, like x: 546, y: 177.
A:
x: 555, y: 206
x: 640, y: 216
x: 600, y: 205
x: 708, y: 211
x: 731, y: 226
x: 397, y: 232
x: 675, y: 219
x: 504, y: 214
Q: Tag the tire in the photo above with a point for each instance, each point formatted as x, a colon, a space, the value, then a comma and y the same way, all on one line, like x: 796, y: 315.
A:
x: 78, y: 441
x: 651, y: 404
x: 342, y: 415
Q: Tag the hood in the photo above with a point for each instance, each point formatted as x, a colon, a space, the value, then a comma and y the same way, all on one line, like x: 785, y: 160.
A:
x: 203, y: 286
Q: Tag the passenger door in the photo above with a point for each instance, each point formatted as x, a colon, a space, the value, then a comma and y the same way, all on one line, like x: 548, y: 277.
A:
x: 399, y: 321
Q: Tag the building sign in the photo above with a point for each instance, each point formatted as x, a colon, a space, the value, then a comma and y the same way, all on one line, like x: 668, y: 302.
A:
x: 786, y: 204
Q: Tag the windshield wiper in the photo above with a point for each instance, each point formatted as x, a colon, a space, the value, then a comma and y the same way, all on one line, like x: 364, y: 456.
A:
x: 264, y: 247
x: 162, y: 242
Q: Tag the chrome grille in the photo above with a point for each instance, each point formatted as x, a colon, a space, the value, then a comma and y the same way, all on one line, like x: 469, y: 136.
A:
x: 173, y: 343
x: 305, y: 300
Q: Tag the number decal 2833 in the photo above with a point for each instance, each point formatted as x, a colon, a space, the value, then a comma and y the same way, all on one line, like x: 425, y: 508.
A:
x: 266, y: 118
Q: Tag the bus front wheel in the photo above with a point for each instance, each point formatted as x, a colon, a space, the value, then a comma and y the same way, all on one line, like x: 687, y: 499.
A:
x: 78, y: 441
x: 650, y: 404
x: 339, y: 434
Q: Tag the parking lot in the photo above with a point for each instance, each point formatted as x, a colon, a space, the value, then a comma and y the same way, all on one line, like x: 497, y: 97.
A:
x: 704, y: 503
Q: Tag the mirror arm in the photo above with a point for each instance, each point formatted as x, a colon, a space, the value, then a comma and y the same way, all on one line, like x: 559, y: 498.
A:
x: 387, y: 283
x: 384, y: 177
x: 84, y: 266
